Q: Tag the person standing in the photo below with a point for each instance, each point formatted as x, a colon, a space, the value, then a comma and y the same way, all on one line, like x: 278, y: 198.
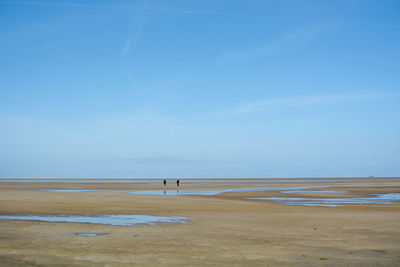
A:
x: 177, y: 183
x: 165, y: 182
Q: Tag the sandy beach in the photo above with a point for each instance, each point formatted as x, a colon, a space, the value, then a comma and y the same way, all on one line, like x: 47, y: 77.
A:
x: 226, y: 229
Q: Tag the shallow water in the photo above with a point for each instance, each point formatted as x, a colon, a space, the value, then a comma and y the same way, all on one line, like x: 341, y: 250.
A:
x: 68, y: 190
x: 212, y: 192
x: 177, y: 192
x: 390, y: 198
x: 99, y: 219
x: 209, y: 192
x: 314, y: 191
x: 90, y: 234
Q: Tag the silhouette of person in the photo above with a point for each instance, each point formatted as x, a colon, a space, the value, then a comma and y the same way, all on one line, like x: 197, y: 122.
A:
x: 177, y: 183
x: 165, y: 182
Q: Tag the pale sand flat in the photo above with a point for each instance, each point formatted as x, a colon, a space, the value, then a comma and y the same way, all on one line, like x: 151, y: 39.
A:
x: 226, y: 230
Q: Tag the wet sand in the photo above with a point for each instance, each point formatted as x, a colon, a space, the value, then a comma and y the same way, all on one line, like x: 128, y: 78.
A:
x: 226, y: 229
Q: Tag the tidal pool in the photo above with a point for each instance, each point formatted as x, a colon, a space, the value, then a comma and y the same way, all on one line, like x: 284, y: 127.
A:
x: 178, y: 192
x: 124, y: 220
x: 90, y: 234
x: 390, y: 198
x: 314, y: 191
x: 213, y: 192
x: 68, y: 190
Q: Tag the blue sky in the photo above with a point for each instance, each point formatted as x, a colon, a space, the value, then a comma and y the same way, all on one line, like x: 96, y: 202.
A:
x: 199, y: 88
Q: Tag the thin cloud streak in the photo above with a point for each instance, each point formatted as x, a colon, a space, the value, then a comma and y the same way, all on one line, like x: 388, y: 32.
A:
x: 287, y: 42
x: 135, y: 33
x: 155, y: 160
x: 166, y: 10
x: 302, y: 101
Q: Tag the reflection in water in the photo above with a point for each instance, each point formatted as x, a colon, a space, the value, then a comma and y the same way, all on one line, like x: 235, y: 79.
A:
x: 314, y: 191
x: 390, y: 198
x: 99, y: 219
x: 177, y: 192
x: 90, y: 234
x: 68, y: 190
x: 216, y: 192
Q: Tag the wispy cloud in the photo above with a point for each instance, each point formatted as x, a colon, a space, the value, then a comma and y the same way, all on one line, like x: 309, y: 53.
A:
x: 303, y: 101
x: 352, y: 2
x: 135, y: 32
x: 56, y: 4
x: 155, y: 160
x: 132, y: 7
x: 387, y: 26
x: 287, y: 42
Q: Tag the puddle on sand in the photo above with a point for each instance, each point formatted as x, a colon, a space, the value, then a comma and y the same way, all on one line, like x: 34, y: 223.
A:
x: 99, y: 219
x: 208, y: 192
x: 68, y: 190
x: 390, y: 198
x: 90, y: 234
x: 314, y: 191
x: 217, y: 192
x: 178, y: 192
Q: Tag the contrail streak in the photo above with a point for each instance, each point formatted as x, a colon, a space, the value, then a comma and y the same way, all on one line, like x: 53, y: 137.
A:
x: 166, y: 10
